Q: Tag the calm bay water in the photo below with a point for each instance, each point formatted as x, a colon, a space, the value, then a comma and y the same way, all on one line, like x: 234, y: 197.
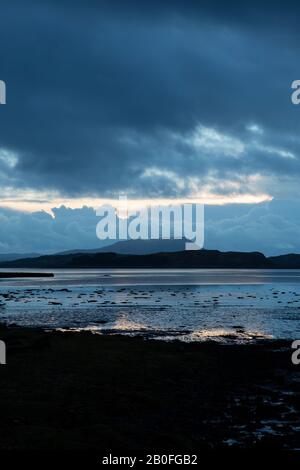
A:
x: 226, y: 305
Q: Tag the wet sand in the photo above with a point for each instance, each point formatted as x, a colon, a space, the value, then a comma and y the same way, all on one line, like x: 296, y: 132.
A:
x: 108, y: 393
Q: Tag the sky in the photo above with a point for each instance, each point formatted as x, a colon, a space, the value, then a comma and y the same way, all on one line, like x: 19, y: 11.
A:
x: 160, y: 100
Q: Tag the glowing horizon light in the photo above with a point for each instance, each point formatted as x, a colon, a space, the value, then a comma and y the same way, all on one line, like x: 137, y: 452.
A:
x: 34, y: 205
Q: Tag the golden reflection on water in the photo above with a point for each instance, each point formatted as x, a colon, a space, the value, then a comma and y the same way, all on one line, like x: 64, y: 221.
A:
x: 219, y: 333
x: 124, y: 325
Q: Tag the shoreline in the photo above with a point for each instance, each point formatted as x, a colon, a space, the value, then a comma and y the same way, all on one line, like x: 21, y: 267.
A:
x: 67, y: 391
x: 9, y: 275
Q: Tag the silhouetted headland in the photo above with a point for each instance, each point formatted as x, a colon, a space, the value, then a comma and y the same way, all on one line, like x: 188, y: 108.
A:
x: 13, y: 275
x: 197, y: 259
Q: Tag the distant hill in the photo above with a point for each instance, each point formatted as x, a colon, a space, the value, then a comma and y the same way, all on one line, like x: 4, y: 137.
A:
x: 181, y: 259
x: 145, y: 247
x: 136, y: 247
x: 291, y: 261
x: 13, y: 256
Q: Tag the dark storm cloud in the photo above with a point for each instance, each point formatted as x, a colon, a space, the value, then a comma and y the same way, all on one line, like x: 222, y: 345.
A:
x: 99, y: 92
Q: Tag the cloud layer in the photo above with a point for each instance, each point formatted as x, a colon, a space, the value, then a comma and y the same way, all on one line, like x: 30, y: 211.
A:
x: 98, y: 94
x: 161, y: 100
x: 273, y: 228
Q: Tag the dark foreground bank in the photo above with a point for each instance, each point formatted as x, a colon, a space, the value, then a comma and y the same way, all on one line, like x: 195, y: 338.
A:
x: 83, y: 391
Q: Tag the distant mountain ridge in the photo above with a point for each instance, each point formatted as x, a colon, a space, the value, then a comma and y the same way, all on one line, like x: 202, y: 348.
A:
x: 152, y: 254
x: 135, y: 247
x: 13, y: 256
x: 181, y: 259
x: 289, y: 261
